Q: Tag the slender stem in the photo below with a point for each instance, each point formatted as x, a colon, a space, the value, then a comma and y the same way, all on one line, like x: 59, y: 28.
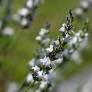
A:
x: 27, y: 89
x: 21, y: 87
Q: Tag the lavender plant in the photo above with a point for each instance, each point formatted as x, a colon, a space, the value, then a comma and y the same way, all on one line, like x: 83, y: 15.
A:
x: 26, y: 15
x: 53, y: 53
x: 83, y: 7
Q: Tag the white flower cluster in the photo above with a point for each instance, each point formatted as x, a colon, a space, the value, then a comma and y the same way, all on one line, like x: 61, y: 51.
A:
x: 42, y: 69
x: 42, y: 37
x: 84, y: 6
x: 26, y: 14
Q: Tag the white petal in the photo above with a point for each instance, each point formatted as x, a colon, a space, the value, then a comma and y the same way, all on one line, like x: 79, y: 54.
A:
x: 23, y: 12
x: 29, y: 78
x: 8, y: 31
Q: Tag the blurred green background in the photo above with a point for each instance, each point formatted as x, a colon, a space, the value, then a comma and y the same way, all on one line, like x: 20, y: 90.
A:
x: 15, y: 56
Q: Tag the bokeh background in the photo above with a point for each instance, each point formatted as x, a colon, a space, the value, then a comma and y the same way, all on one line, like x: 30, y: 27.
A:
x: 16, y: 52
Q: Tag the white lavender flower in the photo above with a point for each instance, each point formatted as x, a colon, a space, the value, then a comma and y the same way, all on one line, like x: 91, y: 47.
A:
x: 40, y: 74
x: 43, y: 85
x: 32, y: 63
x: 35, y: 68
x: 45, y: 61
x: 78, y: 36
x: 29, y: 78
x: 73, y: 41
x: 85, y: 5
x: 43, y: 32
x: 62, y: 29
x: 78, y: 12
x: 50, y: 49
x: 58, y: 61
x: 29, y: 4
x: 46, y: 41
x: 86, y: 34
x: 38, y: 38
x: 23, y: 12
x: 24, y: 22
x: 57, y: 42
x: 8, y: 31
x: 66, y: 38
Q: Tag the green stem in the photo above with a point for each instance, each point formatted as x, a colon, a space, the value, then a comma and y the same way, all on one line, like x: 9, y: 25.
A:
x: 27, y: 89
